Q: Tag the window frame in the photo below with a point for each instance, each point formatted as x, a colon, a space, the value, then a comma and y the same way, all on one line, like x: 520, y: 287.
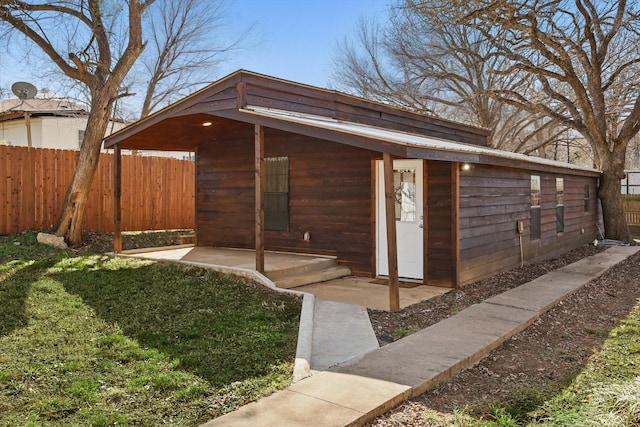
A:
x: 81, y: 133
x: 587, y: 198
x: 276, y: 194
x: 535, y: 211
x: 559, y: 205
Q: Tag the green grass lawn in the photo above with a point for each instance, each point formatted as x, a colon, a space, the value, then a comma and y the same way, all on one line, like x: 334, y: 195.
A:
x: 93, y: 340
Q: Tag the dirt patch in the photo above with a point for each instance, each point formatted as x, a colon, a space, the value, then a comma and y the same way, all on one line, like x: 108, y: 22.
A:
x: 390, y: 327
x: 535, y: 364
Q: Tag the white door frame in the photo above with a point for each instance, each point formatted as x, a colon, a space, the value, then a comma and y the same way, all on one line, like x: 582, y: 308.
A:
x: 409, y: 230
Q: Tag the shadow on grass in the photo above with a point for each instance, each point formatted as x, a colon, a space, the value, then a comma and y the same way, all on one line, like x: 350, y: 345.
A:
x: 217, y: 326
x: 14, y: 290
x: 22, y: 261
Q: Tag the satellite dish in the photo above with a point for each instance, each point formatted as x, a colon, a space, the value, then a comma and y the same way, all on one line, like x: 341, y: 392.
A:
x: 24, y: 90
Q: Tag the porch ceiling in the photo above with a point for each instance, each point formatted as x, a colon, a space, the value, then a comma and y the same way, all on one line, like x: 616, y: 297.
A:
x: 181, y: 133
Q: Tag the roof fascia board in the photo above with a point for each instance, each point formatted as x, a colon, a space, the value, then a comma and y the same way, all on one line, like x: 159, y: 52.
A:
x: 207, y: 108
x: 5, y: 117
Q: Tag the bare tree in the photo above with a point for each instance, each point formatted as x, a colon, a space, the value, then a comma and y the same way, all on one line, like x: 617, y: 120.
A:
x: 425, y: 61
x: 363, y: 67
x: 633, y: 153
x: 184, y: 49
x: 583, y: 56
x: 81, y: 39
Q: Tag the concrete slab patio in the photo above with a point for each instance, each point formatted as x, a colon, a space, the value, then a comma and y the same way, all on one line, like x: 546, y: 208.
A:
x: 369, y: 293
x: 356, y: 391
x: 362, y: 291
x: 235, y: 258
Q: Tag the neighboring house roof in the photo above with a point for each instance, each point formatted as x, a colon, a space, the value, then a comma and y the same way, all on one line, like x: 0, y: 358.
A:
x: 15, y: 108
x: 246, y: 97
x: 45, y: 123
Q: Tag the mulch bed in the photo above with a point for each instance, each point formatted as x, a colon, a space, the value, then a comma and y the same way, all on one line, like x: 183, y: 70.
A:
x: 539, y: 361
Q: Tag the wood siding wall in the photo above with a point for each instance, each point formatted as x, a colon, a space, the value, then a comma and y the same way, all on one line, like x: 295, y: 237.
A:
x: 330, y: 190
x: 492, y: 200
x: 274, y: 93
x: 157, y: 193
x: 439, y: 223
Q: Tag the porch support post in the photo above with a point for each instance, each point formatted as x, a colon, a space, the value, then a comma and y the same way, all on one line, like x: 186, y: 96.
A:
x: 392, y: 243
x: 260, y: 181
x: 425, y: 222
x: 117, y: 196
x: 455, y: 223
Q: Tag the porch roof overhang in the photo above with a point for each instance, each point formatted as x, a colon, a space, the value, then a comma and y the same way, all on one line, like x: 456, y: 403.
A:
x: 226, y: 105
x: 411, y: 146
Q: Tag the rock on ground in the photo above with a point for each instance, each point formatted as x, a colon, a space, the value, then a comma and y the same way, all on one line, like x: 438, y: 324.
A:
x: 52, y: 240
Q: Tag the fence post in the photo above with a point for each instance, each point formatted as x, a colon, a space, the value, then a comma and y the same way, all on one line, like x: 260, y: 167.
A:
x: 117, y: 193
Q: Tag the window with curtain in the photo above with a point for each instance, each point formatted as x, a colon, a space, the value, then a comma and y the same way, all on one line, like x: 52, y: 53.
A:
x: 587, y: 197
x: 559, y: 205
x: 404, y: 184
x: 276, y: 193
x: 535, y: 207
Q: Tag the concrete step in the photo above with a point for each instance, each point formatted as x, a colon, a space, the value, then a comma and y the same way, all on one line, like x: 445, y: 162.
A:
x: 312, y: 277
x: 309, y: 265
x: 187, y: 239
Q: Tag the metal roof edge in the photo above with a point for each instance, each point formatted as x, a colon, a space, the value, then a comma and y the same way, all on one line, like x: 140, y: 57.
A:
x: 431, y: 143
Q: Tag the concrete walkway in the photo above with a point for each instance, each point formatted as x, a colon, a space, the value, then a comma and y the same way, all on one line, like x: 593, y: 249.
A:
x: 360, y: 389
x: 341, y: 332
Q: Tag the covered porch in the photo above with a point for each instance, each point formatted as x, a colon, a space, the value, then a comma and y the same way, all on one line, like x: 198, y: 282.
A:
x: 286, y: 167
x: 281, y: 267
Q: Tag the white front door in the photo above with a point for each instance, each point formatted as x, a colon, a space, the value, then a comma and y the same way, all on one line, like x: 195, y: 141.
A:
x: 407, y: 178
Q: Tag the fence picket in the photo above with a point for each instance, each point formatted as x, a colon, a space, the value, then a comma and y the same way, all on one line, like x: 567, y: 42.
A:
x: 33, y: 185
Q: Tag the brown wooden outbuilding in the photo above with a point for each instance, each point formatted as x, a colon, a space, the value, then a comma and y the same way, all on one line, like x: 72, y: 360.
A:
x: 288, y: 167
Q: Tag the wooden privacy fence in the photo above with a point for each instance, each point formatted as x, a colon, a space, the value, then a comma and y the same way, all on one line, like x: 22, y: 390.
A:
x: 157, y: 192
x: 632, y: 209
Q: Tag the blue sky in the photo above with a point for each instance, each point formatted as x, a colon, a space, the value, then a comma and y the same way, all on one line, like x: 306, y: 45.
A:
x: 290, y: 39
x: 297, y: 38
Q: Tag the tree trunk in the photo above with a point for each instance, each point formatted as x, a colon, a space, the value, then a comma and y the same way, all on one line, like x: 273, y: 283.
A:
x: 615, y: 223
x: 72, y: 216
